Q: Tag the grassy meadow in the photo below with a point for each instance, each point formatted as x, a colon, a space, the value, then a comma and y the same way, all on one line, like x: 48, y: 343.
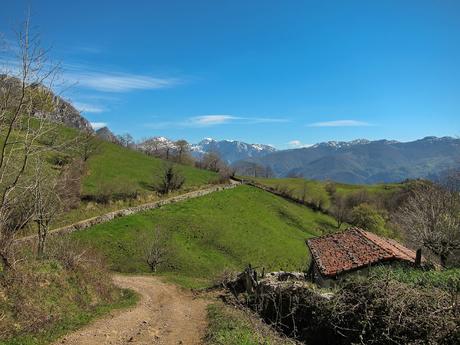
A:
x: 318, y: 188
x: 224, y: 230
x: 116, y: 167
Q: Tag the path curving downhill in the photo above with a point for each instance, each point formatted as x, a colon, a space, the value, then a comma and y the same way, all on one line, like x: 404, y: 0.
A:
x: 165, y: 315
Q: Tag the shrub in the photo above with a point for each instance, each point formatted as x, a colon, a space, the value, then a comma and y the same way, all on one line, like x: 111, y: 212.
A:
x: 112, y: 191
x: 64, y: 287
x: 170, y: 179
x: 366, y: 217
x: 377, y: 309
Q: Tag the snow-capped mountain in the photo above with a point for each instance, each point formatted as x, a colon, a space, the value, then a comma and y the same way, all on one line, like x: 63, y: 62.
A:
x: 231, y: 150
x: 342, y: 144
x: 156, y: 144
x: 364, y: 161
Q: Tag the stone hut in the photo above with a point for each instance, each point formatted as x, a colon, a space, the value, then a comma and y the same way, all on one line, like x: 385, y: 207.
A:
x: 354, y: 249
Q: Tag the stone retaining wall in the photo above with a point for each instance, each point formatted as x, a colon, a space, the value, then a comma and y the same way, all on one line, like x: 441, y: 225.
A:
x: 84, y: 224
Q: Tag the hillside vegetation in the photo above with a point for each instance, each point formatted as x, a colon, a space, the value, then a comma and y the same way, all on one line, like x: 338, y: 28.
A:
x: 317, y: 188
x: 120, y: 176
x: 115, y: 167
x: 42, y: 299
x: 222, y: 231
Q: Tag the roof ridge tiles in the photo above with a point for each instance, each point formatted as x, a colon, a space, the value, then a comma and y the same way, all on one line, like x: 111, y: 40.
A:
x: 352, y: 249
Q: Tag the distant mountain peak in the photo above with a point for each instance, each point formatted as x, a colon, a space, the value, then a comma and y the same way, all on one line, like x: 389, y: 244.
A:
x: 342, y: 144
x: 363, y: 161
x: 231, y: 150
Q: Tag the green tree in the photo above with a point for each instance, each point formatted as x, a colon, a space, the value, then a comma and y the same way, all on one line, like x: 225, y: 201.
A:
x: 367, y: 217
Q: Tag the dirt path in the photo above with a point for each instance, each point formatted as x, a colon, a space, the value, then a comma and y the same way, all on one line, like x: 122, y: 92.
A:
x: 165, y: 315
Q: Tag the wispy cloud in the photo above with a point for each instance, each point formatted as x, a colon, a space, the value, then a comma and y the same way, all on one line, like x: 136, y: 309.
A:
x: 297, y: 144
x: 98, y: 125
x: 340, y: 123
x: 118, y: 82
x: 89, y: 108
x: 213, y: 120
x: 99, y: 78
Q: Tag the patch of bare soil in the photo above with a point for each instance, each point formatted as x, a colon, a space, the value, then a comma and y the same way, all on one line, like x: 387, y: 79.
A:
x: 165, y: 314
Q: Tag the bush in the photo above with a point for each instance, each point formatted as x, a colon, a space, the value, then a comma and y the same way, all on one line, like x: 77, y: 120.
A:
x: 377, y: 309
x: 58, y: 291
x: 367, y: 218
x: 170, y: 179
x: 386, y: 311
x: 112, y: 191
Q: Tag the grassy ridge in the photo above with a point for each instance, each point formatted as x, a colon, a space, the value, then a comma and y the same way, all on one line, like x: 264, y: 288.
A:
x: 224, y: 230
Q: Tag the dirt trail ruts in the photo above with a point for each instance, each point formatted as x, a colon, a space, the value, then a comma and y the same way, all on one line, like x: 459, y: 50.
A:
x: 165, y: 314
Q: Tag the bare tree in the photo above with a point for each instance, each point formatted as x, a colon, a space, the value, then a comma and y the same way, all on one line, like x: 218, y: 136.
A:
x: 126, y: 140
x: 268, y: 172
x: 169, y: 180
x: 304, y: 192
x: 46, y: 200
x: 152, y: 146
x: 86, y: 145
x: 210, y: 161
x: 155, y: 248
x: 183, y: 148
x: 431, y: 217
x: 339, y: 209
x: 25, y: 86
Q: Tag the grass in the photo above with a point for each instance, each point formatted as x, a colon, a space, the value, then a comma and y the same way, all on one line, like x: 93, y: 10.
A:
x: 73, y: 321
x: 43, y: 299
x: 315, y: 187
x: 223, y: 230
x: 448, y: 279
x: 116, y: 166
x: 229, y: 326
x: 113, y: 169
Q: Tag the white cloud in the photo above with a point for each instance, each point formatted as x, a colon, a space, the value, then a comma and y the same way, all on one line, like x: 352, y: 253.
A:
x: 210, y: 120
x: 88, y: 108
x: 340, y: 123
x: 98, y: 125
x: 297, y: 144
x: 213, y: 120
x: 118, y: 82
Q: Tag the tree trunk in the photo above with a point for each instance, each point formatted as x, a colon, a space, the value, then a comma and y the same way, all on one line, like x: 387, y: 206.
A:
x: 443, y: 259
x: 42, y: 232
x: 5, y: 261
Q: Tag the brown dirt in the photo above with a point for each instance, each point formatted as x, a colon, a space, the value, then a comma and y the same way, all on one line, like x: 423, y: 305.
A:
x: 165, y: 314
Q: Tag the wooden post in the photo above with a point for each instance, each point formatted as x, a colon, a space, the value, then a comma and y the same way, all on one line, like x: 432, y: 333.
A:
x: 418, y: 257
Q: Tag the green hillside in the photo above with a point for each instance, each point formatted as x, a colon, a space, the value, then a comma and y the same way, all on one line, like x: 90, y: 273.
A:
x: 118, y: 167
x: 224, y: 230
x: 318, y: 189
x: 123, y: 175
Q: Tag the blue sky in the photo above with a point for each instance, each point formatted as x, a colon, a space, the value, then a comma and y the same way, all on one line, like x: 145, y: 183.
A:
x: 286, y: 73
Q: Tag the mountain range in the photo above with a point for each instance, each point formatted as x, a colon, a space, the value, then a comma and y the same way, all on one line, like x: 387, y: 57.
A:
x: 364, y: 161
x: 231, y: 150
x: 358, y: 161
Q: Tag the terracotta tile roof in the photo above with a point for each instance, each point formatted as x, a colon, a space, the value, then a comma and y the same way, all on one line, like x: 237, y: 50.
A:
x: 354, y: 248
